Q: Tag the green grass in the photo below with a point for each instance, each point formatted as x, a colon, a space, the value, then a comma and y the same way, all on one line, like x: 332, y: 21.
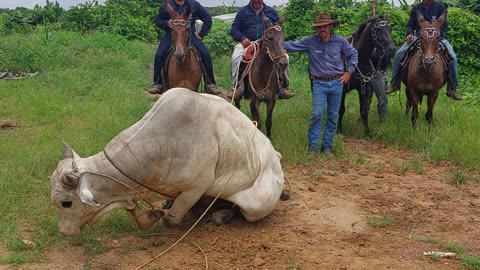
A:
x: 385, y: 221
x: 90, y: 87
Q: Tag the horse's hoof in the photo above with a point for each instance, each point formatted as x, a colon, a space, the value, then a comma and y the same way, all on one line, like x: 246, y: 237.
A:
x: 221, y: 217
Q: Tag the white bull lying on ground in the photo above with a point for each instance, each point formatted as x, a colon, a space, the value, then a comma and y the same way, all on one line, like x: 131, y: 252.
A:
x: 187, y: 146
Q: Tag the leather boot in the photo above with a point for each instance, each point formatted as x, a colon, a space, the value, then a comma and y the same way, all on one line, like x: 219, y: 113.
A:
x: 286, y: 94
x: 212, y: 89
x: 235, y: 95
x: 155, y: 89
x: 454, y: 95
x: 394, y: 87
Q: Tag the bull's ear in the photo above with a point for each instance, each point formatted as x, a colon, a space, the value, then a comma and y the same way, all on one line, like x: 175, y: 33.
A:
x: 68, y: 152
x: 86, y: 195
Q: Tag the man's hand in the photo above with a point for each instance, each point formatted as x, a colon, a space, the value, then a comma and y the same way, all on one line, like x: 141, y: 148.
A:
x: 346, y: 77
x: 198, y: 36
x: 246, y: 42
x: 409, y: 37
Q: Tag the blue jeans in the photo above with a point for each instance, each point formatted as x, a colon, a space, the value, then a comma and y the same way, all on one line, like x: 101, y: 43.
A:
x: 324, y: 93
x: 401, y: 53
x: 379, y: 84
x: 162, y: 53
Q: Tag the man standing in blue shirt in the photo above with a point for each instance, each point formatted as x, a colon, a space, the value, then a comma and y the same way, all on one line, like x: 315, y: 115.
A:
x: 163, y: 21
x: 327, y: 72
x: 246, y: 28
x: 431, y: 10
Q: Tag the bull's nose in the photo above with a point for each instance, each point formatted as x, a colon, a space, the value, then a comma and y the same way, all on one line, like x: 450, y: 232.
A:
x: 69, y: 231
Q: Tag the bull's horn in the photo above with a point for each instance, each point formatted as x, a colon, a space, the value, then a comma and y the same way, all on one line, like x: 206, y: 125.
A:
x: 70, y: 179
x: 67, y: 151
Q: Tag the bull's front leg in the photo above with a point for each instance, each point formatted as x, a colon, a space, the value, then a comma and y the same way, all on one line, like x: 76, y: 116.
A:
x: 182, y: 204
x: 145, y: 218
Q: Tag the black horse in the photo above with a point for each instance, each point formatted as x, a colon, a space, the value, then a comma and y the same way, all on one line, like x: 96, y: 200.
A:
x: 372, y: 34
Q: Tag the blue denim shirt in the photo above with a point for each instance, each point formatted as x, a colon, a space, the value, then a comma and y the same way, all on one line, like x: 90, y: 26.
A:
x: 433, y: 12
x: 249, y: 24
x: 197, y: 11
x: 325, y: 58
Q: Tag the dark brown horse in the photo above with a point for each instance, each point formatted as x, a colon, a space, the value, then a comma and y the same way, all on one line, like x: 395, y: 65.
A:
x: 264, y: 74
x: 373, y: 33
x: 426, y: 69
x: 183, y: 64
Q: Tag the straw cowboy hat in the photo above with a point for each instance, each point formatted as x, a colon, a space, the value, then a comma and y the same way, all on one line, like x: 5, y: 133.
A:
x: 324, y: 19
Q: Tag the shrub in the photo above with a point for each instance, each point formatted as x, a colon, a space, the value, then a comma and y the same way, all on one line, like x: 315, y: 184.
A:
x: 219, y: 41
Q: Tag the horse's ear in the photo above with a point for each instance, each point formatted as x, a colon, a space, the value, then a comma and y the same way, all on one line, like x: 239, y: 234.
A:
x: 281, y: 21
x: 441, y: 20
x: 265, y: 19
x: 170, y: 10
x: 420, y: 18
x: 188, y: 11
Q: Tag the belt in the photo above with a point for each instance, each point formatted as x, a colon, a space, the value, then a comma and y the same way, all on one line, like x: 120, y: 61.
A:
x: 326, y: 78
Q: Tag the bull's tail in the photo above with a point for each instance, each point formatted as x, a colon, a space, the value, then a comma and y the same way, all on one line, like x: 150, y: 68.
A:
x: 286, y: 193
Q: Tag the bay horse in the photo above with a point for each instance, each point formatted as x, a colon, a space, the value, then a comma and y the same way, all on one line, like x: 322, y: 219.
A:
x: 265, y: 72
x: 375, y: 32
x: 183, y: 67
x: 426, y: 68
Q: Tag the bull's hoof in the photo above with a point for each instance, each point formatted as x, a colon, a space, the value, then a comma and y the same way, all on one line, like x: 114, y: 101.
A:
x: 285, y: 196
x: 221, y: 217
x: 170, y: 221
x: 168, y: 203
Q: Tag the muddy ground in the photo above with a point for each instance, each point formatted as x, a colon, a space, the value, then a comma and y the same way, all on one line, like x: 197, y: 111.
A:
x: 377, y: 208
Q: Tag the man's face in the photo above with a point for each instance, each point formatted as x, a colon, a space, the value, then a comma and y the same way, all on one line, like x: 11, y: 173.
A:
x: 324, y: 30
x: 256, y: 4
x: 427, y: 2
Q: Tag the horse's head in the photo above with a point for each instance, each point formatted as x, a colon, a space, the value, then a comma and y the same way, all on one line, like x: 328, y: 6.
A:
x: 381, y: 35
x: 429, y: 39
x: 180, y: 25
x: 274, y: 41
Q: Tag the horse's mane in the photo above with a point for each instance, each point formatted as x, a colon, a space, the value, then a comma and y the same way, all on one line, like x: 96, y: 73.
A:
x: 362, y: 27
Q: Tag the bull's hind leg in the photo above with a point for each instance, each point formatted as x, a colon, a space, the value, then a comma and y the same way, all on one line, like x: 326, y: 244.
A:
x: 260, y: 199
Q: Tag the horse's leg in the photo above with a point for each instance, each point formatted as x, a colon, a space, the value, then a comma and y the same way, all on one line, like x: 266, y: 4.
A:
x: 408, y: 104
x: 254, y: 110
x: 237, y: 104
x: 431, y: 99
x: 268, y: 122
x: 415, y: 99
x: 363, y: 97
x: 341, y: 112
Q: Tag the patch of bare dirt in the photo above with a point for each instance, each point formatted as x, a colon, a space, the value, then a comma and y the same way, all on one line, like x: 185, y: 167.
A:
x: 327, y: 223
x: 8, y: 124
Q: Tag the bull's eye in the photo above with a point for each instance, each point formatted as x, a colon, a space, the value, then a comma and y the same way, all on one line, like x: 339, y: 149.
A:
x: 66, y: 204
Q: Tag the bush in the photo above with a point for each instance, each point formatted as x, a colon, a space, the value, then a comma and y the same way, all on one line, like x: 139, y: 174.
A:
x: 219, y: 41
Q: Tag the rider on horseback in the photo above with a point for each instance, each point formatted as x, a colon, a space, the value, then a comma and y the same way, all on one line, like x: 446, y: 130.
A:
x: 430, y: 10
x: 247, y: 27
x: 164, y: 21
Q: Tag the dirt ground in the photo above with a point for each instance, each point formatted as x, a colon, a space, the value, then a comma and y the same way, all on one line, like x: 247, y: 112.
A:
x: 371, y: 210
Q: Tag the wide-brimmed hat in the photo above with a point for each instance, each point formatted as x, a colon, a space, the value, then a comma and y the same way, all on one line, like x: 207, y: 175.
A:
x: 324, y: 19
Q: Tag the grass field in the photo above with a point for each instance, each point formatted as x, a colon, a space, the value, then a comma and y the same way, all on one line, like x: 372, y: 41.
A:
x: 91, y: 87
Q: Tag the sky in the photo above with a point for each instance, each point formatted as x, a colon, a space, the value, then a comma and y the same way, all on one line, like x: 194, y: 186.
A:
x: 69, y: 3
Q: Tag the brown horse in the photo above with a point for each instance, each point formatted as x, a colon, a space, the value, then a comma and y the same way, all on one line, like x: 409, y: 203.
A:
x: 426, y: 69
x: 183, y: 62
x: 264, y: 74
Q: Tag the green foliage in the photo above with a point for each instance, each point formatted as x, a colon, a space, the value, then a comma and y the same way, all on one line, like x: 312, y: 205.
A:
x: 84, y: 17
x: 463, y: 34
x: 219, y: 41
x: 130, y: 18
x: 298, y: 19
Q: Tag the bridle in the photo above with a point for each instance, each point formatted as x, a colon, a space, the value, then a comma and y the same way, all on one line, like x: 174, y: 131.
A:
x: 274, y: 58
x: 381, y: 46
x: 430, y: 32
x: 181, y: 22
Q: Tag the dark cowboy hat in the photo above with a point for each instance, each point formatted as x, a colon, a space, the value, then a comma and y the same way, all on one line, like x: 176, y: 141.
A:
x: 324, y: 19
